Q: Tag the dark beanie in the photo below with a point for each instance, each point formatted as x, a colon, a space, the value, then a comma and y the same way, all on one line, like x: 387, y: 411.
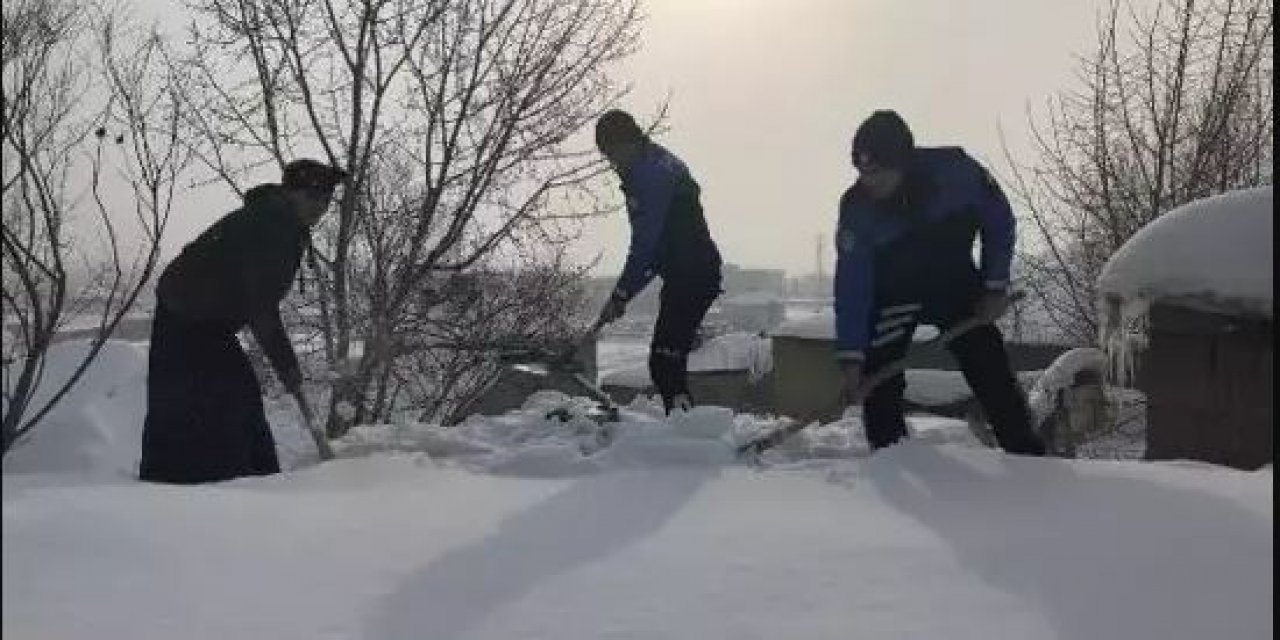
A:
x: 883, y: 140
x: 617, y: 126
x: 311, y: 174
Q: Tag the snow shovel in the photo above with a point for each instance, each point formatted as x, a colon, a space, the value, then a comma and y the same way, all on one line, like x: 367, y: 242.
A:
x: 322, y: 442
x: 773, y: 438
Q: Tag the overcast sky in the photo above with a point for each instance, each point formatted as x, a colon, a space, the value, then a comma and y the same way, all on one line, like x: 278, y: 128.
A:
x: 766, y: 94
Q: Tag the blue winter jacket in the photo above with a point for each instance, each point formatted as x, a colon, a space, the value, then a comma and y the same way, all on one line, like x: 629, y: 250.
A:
x: 669, y: 235
x: 916, y: 248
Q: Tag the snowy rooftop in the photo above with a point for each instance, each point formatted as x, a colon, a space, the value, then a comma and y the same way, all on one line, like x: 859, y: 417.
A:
x: 517, y: 526
x: 1214, y: 252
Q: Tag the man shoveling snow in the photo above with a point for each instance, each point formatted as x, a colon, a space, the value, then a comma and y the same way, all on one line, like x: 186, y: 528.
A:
x: 205, y: 420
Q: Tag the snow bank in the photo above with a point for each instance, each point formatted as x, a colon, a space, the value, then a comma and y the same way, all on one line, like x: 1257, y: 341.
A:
x: 97, y: 427
x: 1215, y: 252
x: 1061, y: 375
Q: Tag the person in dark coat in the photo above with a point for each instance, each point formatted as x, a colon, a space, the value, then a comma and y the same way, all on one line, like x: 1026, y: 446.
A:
x: 205, y: 420
x: 669, y: 239
x: 905, y: 255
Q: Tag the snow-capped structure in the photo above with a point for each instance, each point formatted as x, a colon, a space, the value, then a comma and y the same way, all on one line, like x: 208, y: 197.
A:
x: 1213, y: 254
x: 1187, y: 316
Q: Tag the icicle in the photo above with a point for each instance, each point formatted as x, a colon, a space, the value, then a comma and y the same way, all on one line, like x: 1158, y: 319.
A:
x: 760, y: 358
x: 1123, y: 335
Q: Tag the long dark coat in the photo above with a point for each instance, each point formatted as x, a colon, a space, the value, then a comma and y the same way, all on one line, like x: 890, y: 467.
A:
x: 205, y: 420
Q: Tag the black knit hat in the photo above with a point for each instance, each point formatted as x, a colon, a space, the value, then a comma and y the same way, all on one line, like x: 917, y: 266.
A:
x: 311, y: 174
x: 617, y: 126
x: 883, y: 140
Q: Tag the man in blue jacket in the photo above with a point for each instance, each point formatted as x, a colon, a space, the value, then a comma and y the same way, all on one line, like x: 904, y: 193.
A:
x: 669, y: 238
x: 905, y: 256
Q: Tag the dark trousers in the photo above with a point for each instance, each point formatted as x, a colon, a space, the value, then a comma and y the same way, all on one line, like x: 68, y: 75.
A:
x: 985, y: 366
x: 205, y: 420
x: 680, y: 314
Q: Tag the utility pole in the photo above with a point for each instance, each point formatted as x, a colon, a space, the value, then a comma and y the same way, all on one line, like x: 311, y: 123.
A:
x: 820, y: 258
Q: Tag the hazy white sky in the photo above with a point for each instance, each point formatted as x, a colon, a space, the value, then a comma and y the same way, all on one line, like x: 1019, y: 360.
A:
x: 766, y: 94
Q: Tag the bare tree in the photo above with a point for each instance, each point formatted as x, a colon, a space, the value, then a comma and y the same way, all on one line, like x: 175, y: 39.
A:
x: 455, y: 119
x: 85, y: 105
x: 450, y: 356
x: 1176, y: 104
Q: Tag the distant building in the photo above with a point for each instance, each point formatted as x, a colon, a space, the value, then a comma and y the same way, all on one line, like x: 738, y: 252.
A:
x: 736, y: 280
x: 756, y: 312
x: 810, y: 285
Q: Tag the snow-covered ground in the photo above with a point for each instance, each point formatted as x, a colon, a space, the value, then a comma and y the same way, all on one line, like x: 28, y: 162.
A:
x: 526, y: 527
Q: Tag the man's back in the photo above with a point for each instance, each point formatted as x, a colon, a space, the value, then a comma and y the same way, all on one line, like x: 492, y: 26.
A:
x: 686, y: 251
x: 238, y: 268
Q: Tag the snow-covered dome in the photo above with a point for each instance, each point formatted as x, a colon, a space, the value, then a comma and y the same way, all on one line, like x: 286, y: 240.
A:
x: 1214, y: 252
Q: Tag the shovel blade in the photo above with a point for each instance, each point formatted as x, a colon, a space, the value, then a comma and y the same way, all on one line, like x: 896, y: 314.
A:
x: 532, y: 368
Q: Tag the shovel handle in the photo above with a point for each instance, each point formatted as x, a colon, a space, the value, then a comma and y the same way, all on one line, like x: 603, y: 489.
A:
x: 942, y: 340
x: 322, y: 442
x: 776, y: 437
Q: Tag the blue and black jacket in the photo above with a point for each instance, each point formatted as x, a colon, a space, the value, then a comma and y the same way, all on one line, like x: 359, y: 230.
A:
x: 915, y: 250
x: 669, y: 235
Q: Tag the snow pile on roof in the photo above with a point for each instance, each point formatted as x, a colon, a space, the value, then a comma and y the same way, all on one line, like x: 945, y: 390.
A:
x: 97, y: 427
x: 1062, y: 375
x: 737, y: 351
x: 1215, y: 251
x: 531, y: 442
x: 821, y: 325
